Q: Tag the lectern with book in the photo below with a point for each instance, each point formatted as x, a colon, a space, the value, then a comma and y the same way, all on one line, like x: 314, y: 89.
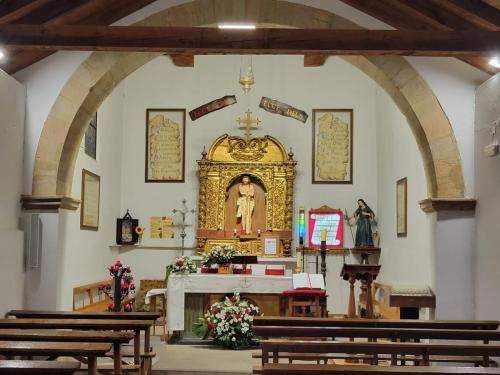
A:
x: 308, y: 298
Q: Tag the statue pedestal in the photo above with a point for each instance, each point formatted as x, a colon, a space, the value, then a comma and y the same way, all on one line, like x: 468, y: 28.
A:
x: 365, y: 252
x: 366, y: 273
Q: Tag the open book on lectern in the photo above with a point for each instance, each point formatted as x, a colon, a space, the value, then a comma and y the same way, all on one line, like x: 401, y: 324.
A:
x: 308, y: 281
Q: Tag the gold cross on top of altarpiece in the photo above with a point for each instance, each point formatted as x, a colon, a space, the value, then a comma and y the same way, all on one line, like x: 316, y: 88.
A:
x: 248, y: 121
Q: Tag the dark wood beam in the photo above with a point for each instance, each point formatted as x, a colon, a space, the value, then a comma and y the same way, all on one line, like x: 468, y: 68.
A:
x: 493, y: 3
x: 92, y: 12
x: 182, y: 60
x: 187, y: 40
x: 418, y: 15
x: 474, y: 12
x: 312, y: 61
x: 23, y: 11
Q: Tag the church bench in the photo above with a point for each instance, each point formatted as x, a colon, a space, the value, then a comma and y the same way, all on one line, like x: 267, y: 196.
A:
x: 112, y: 337
x: 423, y: 353
x: 57, y: 349
x: 377, y: 333
x: 88, y: 298
x: 379, y: 323
x: 91, y: 324
x: 306, y: 369
x: 12, y: 367
x: 44, y: 314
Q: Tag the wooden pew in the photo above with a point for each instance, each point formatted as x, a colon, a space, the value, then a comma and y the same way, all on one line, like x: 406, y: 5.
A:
x: 272, y: 349
x: 57, y: 349
x: 379, y: 323
x: 11, y: 367
x: 378, y: 333
x: 90, y: 324
x: 305, y: 369
x: 112, y: 337
x: 374, y: 334
x: 88, y: 298
x: 44, y: 314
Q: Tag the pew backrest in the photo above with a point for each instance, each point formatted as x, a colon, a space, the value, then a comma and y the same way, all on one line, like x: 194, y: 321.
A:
x: 377, y: 333
x: 44, y: 314
x: 379, y: 323
x: 38, y: 367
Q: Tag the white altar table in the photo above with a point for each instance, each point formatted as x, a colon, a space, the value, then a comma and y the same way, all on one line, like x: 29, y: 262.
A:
x: 180, y: 285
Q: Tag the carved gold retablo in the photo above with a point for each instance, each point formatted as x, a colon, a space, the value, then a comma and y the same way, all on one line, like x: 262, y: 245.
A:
x: 248, y: 121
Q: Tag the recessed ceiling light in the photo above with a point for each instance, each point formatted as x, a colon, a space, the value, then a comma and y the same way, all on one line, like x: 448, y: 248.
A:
x: 241, y: 26
x: 495, y: 61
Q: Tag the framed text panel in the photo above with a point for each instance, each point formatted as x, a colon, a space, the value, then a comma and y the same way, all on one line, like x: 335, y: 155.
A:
x: 89, y: 210
x: 165, y: 145
x: 402, y: 207
x: 332, y: 146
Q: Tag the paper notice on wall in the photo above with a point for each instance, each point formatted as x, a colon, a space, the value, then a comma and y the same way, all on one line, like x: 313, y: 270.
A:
x: 161, y: 227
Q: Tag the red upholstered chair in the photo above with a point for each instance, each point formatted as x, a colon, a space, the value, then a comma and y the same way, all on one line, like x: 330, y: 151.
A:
x: 305, y: 302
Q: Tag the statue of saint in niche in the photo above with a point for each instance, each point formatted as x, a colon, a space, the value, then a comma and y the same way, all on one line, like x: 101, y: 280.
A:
x: 364, y: 217
x: 245, y: 204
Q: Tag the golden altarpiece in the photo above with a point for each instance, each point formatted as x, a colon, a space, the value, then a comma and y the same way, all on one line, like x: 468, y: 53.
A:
x: 272, y: 173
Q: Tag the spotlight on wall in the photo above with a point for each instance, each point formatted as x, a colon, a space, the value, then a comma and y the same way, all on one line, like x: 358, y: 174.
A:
x: 2, y: 54
x: 237, y: 26
x: 495, y: 61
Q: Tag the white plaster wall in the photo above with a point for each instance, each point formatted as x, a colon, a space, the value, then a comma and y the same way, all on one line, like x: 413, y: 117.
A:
x: 488, y: 202
x: 12, y: 108
x: 405, y: 260
x: 85, y: 253
x: 161, y: 85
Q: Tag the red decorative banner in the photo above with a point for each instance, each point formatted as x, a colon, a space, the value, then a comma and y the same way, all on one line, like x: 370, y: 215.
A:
x: 214, y: 105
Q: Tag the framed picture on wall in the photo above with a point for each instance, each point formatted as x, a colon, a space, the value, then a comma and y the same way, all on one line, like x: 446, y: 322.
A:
x: 91, y: 138
x: 89, y: 209
x: 270, y: 245
x: 332, y: 146
x: 165, y: 145
x: 401, y: 207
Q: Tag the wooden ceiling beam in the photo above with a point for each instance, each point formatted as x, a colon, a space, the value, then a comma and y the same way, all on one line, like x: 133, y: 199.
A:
x: 477, y: 13
x: 23, y: 11
x: 412, y: 14
x: 91, y: 12
x: 260, y: 41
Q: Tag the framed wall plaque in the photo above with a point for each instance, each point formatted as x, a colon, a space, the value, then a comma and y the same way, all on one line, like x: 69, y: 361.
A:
x: 165, y: 145
x: 89, y: 209
x: 91, y: 138
x: 270, y: 245
x: 401, y: 207
x: 332, y: 146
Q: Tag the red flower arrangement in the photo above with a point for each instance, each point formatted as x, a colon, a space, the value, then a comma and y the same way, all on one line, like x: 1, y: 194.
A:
x: 123, y: 287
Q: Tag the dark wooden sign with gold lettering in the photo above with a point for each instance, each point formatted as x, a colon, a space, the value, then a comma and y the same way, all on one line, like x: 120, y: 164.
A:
x: 274, y: 106
x: 214, y: 105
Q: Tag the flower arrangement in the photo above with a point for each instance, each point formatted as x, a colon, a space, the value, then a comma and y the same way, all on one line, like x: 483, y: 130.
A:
x: 220, y: 255
x: 182, y: 265
x: 123, y: 286
x: 229, y: 322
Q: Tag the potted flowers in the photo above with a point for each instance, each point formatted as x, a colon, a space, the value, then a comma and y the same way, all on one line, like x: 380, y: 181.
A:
x: 182, y: 265
x: 219, y: 257
x: 229, y: 322
x: 122, y: 289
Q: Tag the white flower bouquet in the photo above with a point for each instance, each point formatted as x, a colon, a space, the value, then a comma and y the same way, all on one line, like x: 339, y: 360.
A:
x: 218, y: 255
x: 229, y: 322
x: 181, y: 265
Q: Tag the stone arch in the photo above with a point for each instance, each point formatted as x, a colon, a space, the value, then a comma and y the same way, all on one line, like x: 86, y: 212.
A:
x: 99, y: 74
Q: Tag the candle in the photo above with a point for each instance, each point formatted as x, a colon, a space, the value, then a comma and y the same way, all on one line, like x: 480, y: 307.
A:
x: 323, y: 234
x: 298, y: 267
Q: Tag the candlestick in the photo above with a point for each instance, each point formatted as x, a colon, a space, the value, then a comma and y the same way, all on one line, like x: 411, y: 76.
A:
x: 323, y: 234
x: 298, y: 267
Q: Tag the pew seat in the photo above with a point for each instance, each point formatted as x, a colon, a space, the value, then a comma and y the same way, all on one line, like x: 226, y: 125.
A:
x: 306, y: 369
x: 38, y: 367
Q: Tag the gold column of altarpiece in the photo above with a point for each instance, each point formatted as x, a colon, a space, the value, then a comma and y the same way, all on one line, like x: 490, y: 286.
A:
x: 263, y: 159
